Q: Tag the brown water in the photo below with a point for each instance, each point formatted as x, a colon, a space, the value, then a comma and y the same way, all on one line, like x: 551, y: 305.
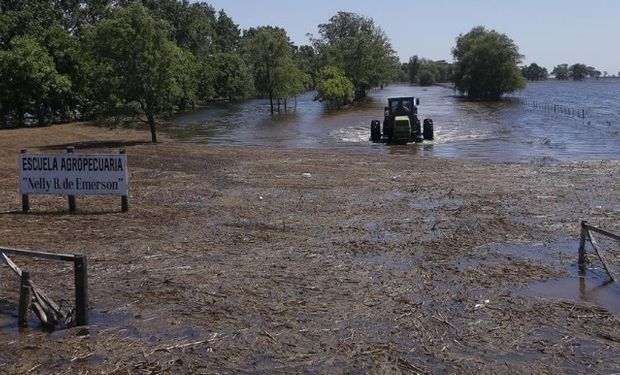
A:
x: 505, y: 131
x: 592, y: 287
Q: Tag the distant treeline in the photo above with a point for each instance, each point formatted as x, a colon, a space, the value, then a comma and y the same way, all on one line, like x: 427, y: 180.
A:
x: 86, y: 59
x: 427, y: 72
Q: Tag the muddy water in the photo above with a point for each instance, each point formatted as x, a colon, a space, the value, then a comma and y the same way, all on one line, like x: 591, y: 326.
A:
x: 506, y: 131
x: 593, y: 287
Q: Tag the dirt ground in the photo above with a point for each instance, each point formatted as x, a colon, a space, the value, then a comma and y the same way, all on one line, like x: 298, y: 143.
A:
x: 269, y: 261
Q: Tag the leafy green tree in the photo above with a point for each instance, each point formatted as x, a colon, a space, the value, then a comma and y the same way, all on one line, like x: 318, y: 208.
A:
x: 29, y: 81
x: 307, y: 60
x: 486, y: 65
x: 578, y: 72
x: 427, y: 74
x: 233, y: 78
x: 334, y: 87
x: 534, y: 72
x: 593, y: 72
x: 560, y: 72
x: 414, y: 66
x: 268, y: 50
x: 150, y: 72
x: 192, y: 26
x: 228, y: 35
x: 361, y: 49
x: 290, y: 80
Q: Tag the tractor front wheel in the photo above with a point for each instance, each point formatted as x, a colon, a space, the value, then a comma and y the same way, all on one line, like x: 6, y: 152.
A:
x: 428, y: 130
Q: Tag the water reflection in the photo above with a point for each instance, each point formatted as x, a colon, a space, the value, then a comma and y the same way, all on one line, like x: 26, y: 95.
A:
x: 506, y: 131
x: 596, y: 290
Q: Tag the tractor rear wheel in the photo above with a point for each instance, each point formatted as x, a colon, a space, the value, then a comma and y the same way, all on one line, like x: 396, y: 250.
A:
x: 429, y: 134
x: 375, y: 131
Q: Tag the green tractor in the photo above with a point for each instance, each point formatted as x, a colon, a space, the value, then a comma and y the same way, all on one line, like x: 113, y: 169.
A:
x: 401, y: 123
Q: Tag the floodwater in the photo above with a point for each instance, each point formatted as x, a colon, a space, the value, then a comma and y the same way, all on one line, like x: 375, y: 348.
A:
x: 592, y: 287
x: 504, y: 131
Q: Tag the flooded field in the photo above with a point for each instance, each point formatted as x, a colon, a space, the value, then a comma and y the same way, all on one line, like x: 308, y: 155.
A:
x: 506, y: 131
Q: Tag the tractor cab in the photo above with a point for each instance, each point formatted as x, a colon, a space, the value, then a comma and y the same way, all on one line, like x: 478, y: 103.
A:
x: 402, y: 107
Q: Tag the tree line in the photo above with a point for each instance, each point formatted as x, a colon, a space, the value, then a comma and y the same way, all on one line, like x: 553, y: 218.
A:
x: 562, y: 72
x: 88, y: 59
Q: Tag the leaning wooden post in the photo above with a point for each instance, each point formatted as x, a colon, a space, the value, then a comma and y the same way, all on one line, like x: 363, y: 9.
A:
x: 124, y: 198
x: 582, y: 247
x: 25, y: 198
x: 24, y: 300
x: 72, y: 206
x: 81, y: 290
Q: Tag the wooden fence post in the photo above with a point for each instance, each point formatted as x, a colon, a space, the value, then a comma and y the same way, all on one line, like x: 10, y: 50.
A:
x: 81, y: 290
x: 582, y: 248
x: 72, y: 205
x: 24, y: 300
x: 124, y: 198
x: 25, y: 198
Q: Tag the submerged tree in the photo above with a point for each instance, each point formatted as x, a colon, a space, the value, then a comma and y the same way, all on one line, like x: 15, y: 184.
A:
x: 269, y: 51
x: 486, y: 65
x: 578, y: 72
x: 534, y: 72
x: 151, y: 72
x: 334, y: 87
x: 560, y: 72
x: 414, y: 66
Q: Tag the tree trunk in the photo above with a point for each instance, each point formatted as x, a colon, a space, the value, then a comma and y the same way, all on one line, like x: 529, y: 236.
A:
x: 285, y: 109
x: 271, y: 102
x: 151, y: 120
x: 278, y: 105
x: 20, y: 118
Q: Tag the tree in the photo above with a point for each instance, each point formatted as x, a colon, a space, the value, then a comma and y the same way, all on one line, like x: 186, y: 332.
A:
x: 290, y: 81
x: 192, y: 26
x: 358, y: 47
x: 268, y: 50
x: 578, y: 72
x: 334, y: 87
x: 29, y: 81
x: 427, y: 74
x: 306, y: 58
x: 486, y: 65
x: 593, y: 72
x: 534, y: 72
x: 414, y: 65
x: 560, y: 72
x: 150, y: 72
x: 228, y: 34
x: 232, y: 77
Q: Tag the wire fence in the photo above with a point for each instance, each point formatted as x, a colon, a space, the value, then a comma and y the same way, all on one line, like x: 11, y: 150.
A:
x: 552, y: 107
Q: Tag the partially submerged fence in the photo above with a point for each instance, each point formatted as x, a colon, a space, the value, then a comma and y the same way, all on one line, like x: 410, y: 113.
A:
x: 586, y: 234
x: 553, y: 107
x: 31, y: 296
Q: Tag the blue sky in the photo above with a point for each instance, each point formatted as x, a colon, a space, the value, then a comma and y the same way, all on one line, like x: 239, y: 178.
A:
x: 548, y: 32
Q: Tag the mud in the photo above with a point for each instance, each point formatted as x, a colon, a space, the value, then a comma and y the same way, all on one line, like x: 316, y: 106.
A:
x: 231, y: 260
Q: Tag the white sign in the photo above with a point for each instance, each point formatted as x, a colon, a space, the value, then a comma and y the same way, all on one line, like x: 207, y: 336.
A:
x: 73, y: 174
